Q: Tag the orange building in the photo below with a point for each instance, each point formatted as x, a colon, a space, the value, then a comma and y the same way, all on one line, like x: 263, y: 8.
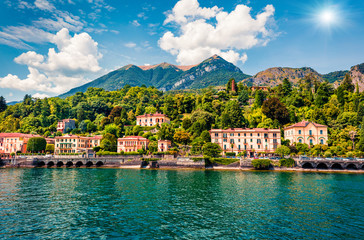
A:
x: 132, y: 144
x: 152, y: 119
x: 75, y: 144
x: 164, y: 145
x: 263, y: 88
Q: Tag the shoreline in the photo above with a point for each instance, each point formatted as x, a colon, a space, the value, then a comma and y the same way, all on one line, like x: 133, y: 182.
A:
x: 218, y: 168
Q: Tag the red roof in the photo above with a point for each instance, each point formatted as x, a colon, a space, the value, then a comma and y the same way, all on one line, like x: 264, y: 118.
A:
x: 152, y: 115
x: 245, y: 129
x: 133, y: 137
x: 6, y: 135
x: 304, y: 123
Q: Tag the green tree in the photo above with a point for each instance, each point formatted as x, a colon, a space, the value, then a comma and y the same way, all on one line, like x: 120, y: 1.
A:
x: 259, y: 98
x: 286, y: 87
x: 3, y: 104
x: 211, y: 149
x: 283, y: 151
x: 109, y: 142
x: 36, y: 144
x: 166, y: 132
x: 181, y: 136
x: 276, y: 110
x: 243, y: 97
x: 347, y: 83
x: 232, y: 117
x: 112, y: 129
x: 360, y: 145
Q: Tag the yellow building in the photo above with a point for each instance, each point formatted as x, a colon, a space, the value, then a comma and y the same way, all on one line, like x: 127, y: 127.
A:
x: 306, y: 132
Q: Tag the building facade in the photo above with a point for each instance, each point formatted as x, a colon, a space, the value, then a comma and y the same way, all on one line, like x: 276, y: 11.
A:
x: 66, y: 125
x: 251, y: 140
x: 132, y: 144
x: 306, y: 132
x: 14, y: 142
x: 164, y: 145
x: 75, y: 144
x: 151, y: 119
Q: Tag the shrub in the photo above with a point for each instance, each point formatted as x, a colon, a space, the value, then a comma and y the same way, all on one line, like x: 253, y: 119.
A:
x: 105, y: 153
x: 230, y: 154
x: 261, y: 163
x: 223, y: 161
x: 286, y: 162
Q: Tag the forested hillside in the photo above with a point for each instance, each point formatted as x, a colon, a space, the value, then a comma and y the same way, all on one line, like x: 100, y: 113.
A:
x: 194, y: 112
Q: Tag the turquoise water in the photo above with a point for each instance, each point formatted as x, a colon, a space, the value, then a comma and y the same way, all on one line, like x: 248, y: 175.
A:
x: 150, y: 204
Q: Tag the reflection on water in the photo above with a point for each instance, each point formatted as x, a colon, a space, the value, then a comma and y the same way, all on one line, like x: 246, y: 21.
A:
x: 146, y: 204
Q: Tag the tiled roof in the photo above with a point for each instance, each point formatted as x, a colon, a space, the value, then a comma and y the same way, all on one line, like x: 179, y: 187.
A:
x: 152, y: 115
x: 133, y: 137
x: 245, y: 130
x: 2, y: 135
x: 304, y: 123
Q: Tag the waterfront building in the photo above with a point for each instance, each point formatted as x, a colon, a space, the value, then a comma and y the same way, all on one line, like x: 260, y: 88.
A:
x: 75, y: 144
x: 164, y: 145
x: 306, y: 132
x: 132, y: 144
x: 152, y: 119
x: 251, y: 140
x: 66, y: 125
x: 14, y: 142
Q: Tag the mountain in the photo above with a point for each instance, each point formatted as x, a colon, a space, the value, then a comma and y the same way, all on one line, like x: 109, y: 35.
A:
x: 333, y: 77
x: 274, y: 76
x: 357, y: 74
x: 213, y: 71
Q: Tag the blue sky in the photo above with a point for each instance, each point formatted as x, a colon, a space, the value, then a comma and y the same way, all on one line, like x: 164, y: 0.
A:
x: 50, y: 46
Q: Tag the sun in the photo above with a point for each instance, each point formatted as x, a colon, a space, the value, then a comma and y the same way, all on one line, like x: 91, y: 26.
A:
x: 327, y: 17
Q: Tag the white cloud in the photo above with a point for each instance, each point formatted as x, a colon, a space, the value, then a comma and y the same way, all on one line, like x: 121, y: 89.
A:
x: 130, y: 45
x: 40, y: 95
x: 224, y: 34
x: 60, y: 70
x: 135, y: 23
x: 44, y: 5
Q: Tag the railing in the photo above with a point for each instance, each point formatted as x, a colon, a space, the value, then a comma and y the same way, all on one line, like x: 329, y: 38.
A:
x: 301, y: 158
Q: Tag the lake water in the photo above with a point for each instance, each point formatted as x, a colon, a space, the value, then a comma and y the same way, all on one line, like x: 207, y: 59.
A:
x: 179, y: 204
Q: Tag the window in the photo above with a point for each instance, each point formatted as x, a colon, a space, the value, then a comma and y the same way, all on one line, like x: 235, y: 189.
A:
x: 258, y: 141
x: 251, y: 134
x: 231, y: 134
x: 225, y: 140
x: 274, y: 135
x: 244, y: 147
x: 239, y: 147
x: 300, y: 140
x: 258, y: 134
x: 216, y: 134
x: 266, y: 135
x: 321, y: 132
x: 224, y: 147
x: 244, y: 134
x: 251, y: 146
x: 274, y: 140
x: 299, y: 131
x: 258, y: 146
x: 231, y: 140
x: 322, y: 141
x: 238, y: 134
x: 311, y: 142
x: 224, y: 135
x: 266, y: 140
x: 244, y: 140
x: 251, y: 140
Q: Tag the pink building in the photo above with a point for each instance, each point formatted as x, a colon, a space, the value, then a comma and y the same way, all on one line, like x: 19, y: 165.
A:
x: 164, y: 145
x: 75, y: 144
x: 14, y: 142
x: 152, y: 119
x: 66, y: 124
x: 251, y: 140
x: 306, y: 132
x: 132, y: 144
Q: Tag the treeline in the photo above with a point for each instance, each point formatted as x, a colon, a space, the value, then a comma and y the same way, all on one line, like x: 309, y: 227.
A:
x: 194, y: 112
